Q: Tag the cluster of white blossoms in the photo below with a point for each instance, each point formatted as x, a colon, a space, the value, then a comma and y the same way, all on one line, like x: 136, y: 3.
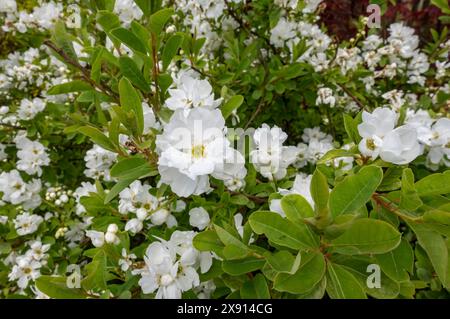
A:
x: 205, y: 18
x: 18, y: 192
x: 27, y: 223
x: 191, y: 92
x: 127, y: 10
x: 98, y: 162
x: 193, y: 144
x: 270, y: 157
x: 380, y: 137
x: 149, y: 209
x: 316, y: 144
x: 171, y: 267
x: 42, y: 18
x: 433, y: 135
x: 29, y: 71
x: 289, y: 32
x: 99, y: 238
x: 27, y: 267
x: 32, y: 155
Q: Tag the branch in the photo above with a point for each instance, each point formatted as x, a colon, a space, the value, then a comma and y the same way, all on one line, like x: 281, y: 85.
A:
x: 386, y: 204
x: 245, y: 27
x: 86, y: 74
x: 354, y: 98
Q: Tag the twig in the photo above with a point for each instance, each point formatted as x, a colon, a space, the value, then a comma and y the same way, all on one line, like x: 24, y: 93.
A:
x: 380, y: 200
x: 354, y: 98
x: 86, y: 74
x: 245, y: 27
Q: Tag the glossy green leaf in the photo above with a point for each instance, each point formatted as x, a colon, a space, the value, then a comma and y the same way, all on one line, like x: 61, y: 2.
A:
x: 354, y: 191
x: 367, y: 236
x: 282, y: 231
x: 309, y: 273
x: 341, y: 284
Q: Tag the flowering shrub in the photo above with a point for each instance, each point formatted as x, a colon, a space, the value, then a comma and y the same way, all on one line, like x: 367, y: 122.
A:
x: 212, y: 149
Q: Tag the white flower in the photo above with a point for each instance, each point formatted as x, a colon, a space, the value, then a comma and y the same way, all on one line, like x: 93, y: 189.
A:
x: 134, y: 226
x: 127, y: 11
x: 311, y: 6
x: 374, y: 127
x: 98, y: 161
x: 400, y: 146
x: 198, y: 217
x: 325, y: 96
x: 282, y: 32
x: 38, y: 250
x: 395, y: 97
x: 193, y: 147
x: 84, y: 190
x: 26, y: 269
x: 16, y: 191
x: 97, y: 237
x: 127, y: 260
x: 137, y: 196
x: 270, y: 157
x: 171, y: 266
x: 191, y: 93
x: 27, y: 224
x: 32, y: 155
x: 28, y: 109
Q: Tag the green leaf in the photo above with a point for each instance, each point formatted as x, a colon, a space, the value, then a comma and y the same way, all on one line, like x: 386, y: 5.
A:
x: 229, y: 239
x: 208, y: 241
x: 98, y: 137
x: 231, y: 105
x: 434, y: 245
x: 296, y: 208
x: 56, y: 287
x: 283, y: 232
x: 129, y: 39
x: 442, y: 4
x: 409, y: 199
x: 107, y: 20
x: 351, y: 127
x: 359, y: 268
x: 234, y: 252
x: 354, y: 191
x: 130, y: 70
x: 434, y: 184
x: 130, y: 101
x: 398, y: 262
x: 64, y: 40
x: 309, y: 273
x: 159, y: 19
x: 96, y: 272
x: 120, y: 186
x: 170, y: 49
x: 74, y: 86
x: 341, y: 284
x: 123, y: 167
x: 242, y: 266
x: 335, y: 153
x: 255, y: 288
x: 283, y: 261
x: 320, y: 193
x: 367, y: 236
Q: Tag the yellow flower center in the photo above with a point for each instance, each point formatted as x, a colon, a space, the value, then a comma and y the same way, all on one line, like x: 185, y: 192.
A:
x: 370, y: 144
x: 198, y: 151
